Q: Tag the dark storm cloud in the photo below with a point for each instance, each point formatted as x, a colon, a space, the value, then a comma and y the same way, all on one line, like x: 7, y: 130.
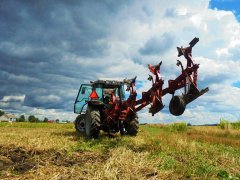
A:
x: 158, y: 45
x: 72, y: 27
x: 36, y: 39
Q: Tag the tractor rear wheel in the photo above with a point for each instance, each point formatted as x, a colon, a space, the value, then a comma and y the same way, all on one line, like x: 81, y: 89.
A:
x: 177, y: 105
x: 131, y: 126
x: 92, y: 122
x: 80, y: 123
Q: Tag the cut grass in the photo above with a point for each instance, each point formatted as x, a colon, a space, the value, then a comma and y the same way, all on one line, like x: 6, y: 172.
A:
x: 56, y: 151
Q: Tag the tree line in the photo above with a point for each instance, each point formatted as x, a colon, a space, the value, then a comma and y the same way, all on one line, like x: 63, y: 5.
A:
x: 30, y: 118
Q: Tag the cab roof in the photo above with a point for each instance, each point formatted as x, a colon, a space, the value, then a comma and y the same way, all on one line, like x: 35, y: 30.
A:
x: 108, y: 82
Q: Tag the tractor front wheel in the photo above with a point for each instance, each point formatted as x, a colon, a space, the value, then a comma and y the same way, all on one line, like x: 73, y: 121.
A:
x: 92, y: 122
x: 131, y: 126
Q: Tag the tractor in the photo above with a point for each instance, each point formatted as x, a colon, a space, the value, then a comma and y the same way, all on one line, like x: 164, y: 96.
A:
x: 102, y: 104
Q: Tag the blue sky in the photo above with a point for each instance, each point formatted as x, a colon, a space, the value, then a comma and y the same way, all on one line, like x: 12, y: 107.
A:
x: 228, y: 5
x: 47, y: 49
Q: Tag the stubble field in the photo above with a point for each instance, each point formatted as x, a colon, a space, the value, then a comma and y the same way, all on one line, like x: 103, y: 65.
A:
x: 56, y: 151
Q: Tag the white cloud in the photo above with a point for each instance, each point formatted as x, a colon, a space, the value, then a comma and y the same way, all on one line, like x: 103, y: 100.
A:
x: 51, y: 114
x: 19, y: 98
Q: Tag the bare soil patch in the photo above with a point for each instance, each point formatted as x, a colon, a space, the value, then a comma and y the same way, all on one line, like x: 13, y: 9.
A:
x: 21, y: 160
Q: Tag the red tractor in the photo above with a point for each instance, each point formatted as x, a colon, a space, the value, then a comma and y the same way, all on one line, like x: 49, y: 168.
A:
x: 101, y: 105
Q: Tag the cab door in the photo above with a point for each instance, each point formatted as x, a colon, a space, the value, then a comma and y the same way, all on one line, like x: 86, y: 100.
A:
x: 83, y: 96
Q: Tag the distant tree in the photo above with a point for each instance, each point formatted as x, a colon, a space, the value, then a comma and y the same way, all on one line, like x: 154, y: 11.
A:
x: 21, y: 119
x: 2, y: 113
x: 57, y: 120
x: 32, y: 118
x: 189, y: 124
x: 45, y: 119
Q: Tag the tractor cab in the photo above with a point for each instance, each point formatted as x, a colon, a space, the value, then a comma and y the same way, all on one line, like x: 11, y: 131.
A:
x: 100, y: 92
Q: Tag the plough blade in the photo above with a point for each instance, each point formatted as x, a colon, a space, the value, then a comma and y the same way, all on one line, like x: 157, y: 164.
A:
x: 191, y: 97
x: 156, y: 106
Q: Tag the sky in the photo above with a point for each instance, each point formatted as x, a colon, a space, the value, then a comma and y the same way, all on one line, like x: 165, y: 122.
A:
x: 48, y: 48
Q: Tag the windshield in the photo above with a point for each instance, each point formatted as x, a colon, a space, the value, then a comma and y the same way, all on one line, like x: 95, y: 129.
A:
x: 83, y: 96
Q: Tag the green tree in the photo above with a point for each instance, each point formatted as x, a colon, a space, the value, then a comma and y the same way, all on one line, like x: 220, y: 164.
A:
x: 21, y: 119
x: 2, y: 113
x: 32, y: 118
x: 45, y: 119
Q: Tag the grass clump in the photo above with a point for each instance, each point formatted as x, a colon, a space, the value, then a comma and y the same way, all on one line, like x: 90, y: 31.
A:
x: 178, y: 127
x: 236, y: 125
x: 225, y: 124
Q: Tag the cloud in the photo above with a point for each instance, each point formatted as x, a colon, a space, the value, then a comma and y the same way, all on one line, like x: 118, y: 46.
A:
x: 158, y: 45
x: 7, y: 99
x: 47, y: 101
x: 176, y: 13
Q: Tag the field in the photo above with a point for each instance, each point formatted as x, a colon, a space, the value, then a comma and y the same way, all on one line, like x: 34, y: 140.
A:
x: 55, y: 151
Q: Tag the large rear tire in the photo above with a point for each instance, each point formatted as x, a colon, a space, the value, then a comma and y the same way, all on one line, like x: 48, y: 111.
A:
x: 80, y: 123
x: 131, y: 125
x: 92, y: 122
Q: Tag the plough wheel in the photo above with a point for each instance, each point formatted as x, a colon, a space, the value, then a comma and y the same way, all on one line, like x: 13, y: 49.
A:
x: 177, y: 105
